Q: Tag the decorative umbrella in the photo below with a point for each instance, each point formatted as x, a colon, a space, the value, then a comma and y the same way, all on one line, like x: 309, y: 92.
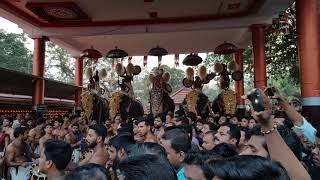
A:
x: 91, y: 53
x: 226, y: 48
x: 192, y: 60
x: 116, y: 53
x: 158, y: 51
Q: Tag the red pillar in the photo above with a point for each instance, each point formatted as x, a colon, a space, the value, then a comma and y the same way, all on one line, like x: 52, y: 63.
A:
x: 239, y: 85
x: 259, y: 62
x: 38, y: 69
x: 78, y: 80
x: 309, y: 54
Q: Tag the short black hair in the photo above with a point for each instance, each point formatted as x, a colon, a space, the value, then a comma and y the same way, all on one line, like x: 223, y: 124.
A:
x: 161, y: 116
x: 89, y: 171
x: 200, y: 157
x: 147, y: 148
x: 225, y: 150
x: 47, y: 124
x: 122, y: 140
x: 234, y: 131
x: 180, y: 141
x: 212, y: 126
x: 19, y: 131
x: 40, y: 121
x: 59, y: 152
x: 59, y: 120
x: 245, y: 167
x: 145, y: 120
x: 100, y: 130
x: 147, y: 167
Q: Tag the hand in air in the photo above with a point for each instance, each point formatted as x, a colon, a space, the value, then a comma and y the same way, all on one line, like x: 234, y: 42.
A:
x: 263, y: 117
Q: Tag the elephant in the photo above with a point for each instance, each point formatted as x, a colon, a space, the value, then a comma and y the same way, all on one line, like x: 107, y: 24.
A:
x: 161, y: 102
x: 95, y: 106
x: 225, y: 103
x: 196, y: 102
x: 127, y: 107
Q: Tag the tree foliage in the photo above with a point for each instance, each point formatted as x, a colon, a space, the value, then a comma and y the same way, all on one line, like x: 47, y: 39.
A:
x: 282, y: 51
x: 59, y: 64
x: 13, y: 53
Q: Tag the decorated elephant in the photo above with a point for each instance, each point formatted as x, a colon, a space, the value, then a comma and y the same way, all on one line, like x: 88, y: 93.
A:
x: 95, y: 107
x: 226, y: 102
x: 160, y: 100
x: 94, y: 104
x: 123, y: 102
x: 125, y: 106
x: 196, y: 101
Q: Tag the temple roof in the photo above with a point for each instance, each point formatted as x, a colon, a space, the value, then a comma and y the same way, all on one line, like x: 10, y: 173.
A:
x: 179, y: 95
x: 181, y: 26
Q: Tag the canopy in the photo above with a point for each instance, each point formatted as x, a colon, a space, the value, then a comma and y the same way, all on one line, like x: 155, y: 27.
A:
x: 180, y: 26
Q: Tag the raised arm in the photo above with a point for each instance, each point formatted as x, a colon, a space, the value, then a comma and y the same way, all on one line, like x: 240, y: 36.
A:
x: 278, y: 149
x: 300, y: 123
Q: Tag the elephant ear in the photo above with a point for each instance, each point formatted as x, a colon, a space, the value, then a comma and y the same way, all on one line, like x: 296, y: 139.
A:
x: 136, y: 70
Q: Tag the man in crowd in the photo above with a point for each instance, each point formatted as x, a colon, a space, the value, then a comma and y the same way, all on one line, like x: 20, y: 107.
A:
x: 54, y: 158
x: 118, y: 148
x: 177, y: 143
x: 47, y: 136
x: 227, y: 133
x: 18, y: 154
x: 35, y: 134
x: 95, y: 138
x: 144, y: 131
x: 7, y: 127
x: 158, y: 123
x: 74, y: 137
x: 208, y: 140
x: 58, y: 132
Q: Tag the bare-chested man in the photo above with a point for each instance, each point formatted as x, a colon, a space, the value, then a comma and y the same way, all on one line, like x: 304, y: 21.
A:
x: 48, y: 128
x: 58, y: 132
x: 6, y: 127
x: 144, y: 131
x: 95, y: 139
x: 18, y: 152
x: 36, y: 133
x: 74, y: 137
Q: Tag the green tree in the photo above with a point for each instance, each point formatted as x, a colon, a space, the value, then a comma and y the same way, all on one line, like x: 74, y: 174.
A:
x: 177, y: 76
x: 59, y: 64
x: 13, y: 53
x: 282, y: 51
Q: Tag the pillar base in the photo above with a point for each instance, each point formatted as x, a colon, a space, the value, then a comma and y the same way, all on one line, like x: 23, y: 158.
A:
x: 312, y: 114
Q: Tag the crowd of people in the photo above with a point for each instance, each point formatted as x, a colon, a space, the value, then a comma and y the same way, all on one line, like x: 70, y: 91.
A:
x: 274, y: 144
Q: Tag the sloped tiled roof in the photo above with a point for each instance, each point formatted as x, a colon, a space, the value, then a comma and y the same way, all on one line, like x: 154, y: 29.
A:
x: 180, y: 94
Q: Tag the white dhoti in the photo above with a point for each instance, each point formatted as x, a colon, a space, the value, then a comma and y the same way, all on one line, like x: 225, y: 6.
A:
x: 23, y: 173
